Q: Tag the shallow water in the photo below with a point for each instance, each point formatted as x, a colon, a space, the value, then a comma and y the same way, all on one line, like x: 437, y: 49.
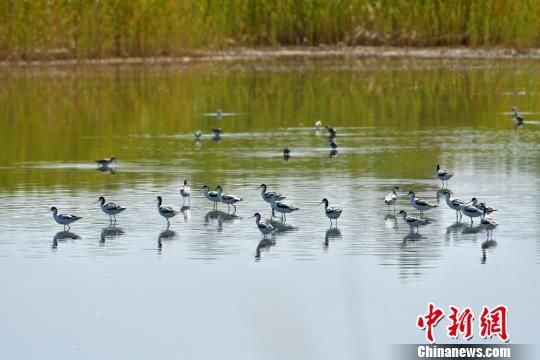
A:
x: 208, y: 287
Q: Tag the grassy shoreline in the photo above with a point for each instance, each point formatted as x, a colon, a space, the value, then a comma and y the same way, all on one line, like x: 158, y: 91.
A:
x: 259, y: 53
x: 101, y: 29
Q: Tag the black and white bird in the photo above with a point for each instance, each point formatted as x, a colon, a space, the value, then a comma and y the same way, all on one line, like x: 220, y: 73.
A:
x: 454, y: 204
x: 331, y: 132
x: 390, y: 199
x: 488, y: 223
x: 282, y: 208
x: 263, y: 227
x: 443, y: 175
x: 268, y: 195
x: 333, y: 144
x: 318, y: 125
x: 472, y: 211
x: 198, y: 135
x: 106, y: 161
x: 482, y: 205
x: 517, y: 117
x: 110, y: 208
x: 166, y: 211
x: 64, y: 219
x: 211, y: 195
x: 411, y: 220
x: 228, y: 199
x: 185, y: 192
x: 331, y: 212
x: 286, y: 153
x: 420, y: 204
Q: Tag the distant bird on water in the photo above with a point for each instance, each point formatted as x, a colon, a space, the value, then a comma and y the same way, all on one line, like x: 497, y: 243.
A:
x: 228, y: 199
x: 286, y: 153
x: 411, y: 220
x: 333, y: 144
x: 198, y: 135
x: 185, y: 192
x: 263, y: 227
x: 331, y: 132
x: 443, y: 175
x: 318, y: 125
x: 106, y: 161
x: 517, y: 117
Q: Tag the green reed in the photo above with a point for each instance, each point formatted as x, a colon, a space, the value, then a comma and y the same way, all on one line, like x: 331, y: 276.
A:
x: 103, y: 28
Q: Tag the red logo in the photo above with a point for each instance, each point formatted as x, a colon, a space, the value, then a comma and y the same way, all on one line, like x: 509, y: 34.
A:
x: 492, y: 322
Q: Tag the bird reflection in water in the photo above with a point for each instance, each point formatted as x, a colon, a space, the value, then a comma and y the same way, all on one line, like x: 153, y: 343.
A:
x: 110, y: 233
x: 165, y: 235
x: 412, y: 236
x: 62, y: 236
x: 184, y: 210
x: 390, y: 221
x: 331, y: 234
x: 454, y: 229
x: 106, y: 169
x: 282, y: 227
x: 471, y: 230
x: 221, y: 217
x: 488, y: 245
x: 441, y: 194
x: 264, y: 244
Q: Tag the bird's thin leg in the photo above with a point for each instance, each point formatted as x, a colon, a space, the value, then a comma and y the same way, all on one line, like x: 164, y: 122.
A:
x: 234, y: 212
x: 69, y: 227
x: 168, y: 223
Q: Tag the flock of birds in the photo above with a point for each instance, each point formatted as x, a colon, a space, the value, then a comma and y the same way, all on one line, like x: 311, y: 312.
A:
x: 471, y: 209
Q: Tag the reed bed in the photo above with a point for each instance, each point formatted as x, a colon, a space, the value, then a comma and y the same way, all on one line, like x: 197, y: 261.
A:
x: 45, y: 29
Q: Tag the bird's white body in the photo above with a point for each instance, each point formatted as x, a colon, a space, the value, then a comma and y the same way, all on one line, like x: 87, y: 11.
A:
x: 454, y: 204
x: 166, y: 211
x: 64, y: 219
x: 185, y: 191
x: 420, y: 204
x: 411, y: 220
x: 390, y: 199
x: 331, y: 213
x: 472, y: 211
x: 318, y: 125
x: 110, y: 208
x: 228, y: 199
x: 443, y: 175
x: 263, y: 227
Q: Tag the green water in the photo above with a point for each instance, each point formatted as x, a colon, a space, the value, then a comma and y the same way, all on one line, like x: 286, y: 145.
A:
x: 142, y: 291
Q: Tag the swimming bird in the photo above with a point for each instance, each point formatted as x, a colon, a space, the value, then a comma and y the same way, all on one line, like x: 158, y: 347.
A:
x: 517, y: 117
x: 283, y: 208
x: 331, y: 212
x: 390, y: 199
x: 471, y: 211
x: 454, y: 204
x: 411, y: 220
x: 166, y: 211
x: 267, y: 195
x: 420, y: 204
x: 228, y: 198
x: 443, y: 175
x: 106, y: 161
x: 286, y: 153
x: 110, y: 209
x: 64, y: 219
x: 211, y: 195
x: 219, y: 113
x: 333, y: 144
x: 216, y: 131
x: 263, y: 227
x: 318, y: 125
x: 198, y: 135
x: 331, y: 132
x: 185, y: 191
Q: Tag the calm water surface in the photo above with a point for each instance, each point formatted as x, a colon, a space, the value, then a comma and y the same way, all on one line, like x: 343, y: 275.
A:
x: 207, y: 287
